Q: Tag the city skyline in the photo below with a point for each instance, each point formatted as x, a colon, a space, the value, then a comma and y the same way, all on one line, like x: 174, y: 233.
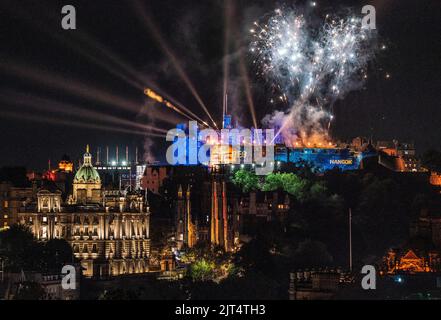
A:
x: 102, y: 56
x: 220, y: 150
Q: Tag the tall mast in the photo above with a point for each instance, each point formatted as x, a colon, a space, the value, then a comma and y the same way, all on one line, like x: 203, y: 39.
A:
x: 350, y: 239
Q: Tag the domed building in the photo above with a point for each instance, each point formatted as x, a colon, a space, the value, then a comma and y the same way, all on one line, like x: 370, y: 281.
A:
x: 87, y: 182
x: 109, y: 230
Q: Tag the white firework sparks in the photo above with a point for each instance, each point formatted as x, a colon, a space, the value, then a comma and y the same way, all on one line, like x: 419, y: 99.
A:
x: 312, y: 66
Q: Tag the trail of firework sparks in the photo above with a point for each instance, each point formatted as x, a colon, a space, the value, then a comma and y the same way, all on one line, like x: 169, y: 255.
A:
x: 311, y: 66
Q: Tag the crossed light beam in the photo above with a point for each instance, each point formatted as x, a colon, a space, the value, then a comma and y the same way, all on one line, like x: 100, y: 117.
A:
x: 52, y: 106
x: 148, y: 21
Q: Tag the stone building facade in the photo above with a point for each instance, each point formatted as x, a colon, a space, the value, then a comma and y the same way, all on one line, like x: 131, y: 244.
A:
x: 108, y: 230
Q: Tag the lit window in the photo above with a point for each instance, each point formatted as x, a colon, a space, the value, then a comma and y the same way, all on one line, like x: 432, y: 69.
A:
x: 6, y: 204
x: 5, y: 216
x: 44, y: 219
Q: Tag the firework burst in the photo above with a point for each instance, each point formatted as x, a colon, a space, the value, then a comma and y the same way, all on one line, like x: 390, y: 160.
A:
x: 311, y: 66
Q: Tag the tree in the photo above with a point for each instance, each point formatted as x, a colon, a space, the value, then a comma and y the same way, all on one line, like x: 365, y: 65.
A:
x: 119, y: 294
x: 56, y: 253
x: 246, y: 180
x: 30, y: 290
x: 19, y: 249
x: 202, y: 270
x: 255, y: 256
x: 318, y: 190
x: 207, y: 262
x: 431, y: 159
x: 287, y: 182
x: 312, y: 254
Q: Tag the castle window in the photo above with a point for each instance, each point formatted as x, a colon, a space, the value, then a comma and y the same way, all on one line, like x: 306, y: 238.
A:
x: 44, y: 233
x: 44, y: 219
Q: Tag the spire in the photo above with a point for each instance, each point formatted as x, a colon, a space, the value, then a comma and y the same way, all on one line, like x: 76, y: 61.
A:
x: 87, y: 157
x: 188, y: 192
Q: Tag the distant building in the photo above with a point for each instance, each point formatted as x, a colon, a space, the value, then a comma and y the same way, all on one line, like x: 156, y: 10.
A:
x: 422, y: 253
x: 62, y: 175
x: 205, y: 210
x: 186, y: 229
x: 109, y: 230
x: 224, y: 215
x: 315, y: 284
x: 153, y: 178
x: 265, y: 205
x: 399, y: 156
x: 120, y: 169
x: 435, y: 179
x: 11, y: 200
x: 65, y: 164
x: 411, y: 262
x: 51, y: 283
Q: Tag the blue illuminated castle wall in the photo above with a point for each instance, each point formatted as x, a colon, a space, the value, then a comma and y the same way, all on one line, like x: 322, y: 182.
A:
x: 321, y: 159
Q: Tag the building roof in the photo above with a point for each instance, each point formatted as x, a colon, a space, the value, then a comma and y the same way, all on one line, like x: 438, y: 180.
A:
x: 87, y: 173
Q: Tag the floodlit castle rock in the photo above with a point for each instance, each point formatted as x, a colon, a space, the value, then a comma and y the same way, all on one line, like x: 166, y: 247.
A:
x: 107, y: 229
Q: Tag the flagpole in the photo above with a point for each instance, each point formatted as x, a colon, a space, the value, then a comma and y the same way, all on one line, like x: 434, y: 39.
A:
x: 350, y: 239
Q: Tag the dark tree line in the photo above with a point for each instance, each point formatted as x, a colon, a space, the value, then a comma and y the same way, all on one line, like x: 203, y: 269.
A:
x: 21, y: 251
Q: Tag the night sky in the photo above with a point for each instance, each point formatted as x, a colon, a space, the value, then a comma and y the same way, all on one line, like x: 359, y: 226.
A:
x: 63, y: 89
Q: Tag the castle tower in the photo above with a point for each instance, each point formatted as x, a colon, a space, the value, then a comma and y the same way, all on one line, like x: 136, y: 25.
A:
x: 191, y: 237
x: 185, y: 228
x: 219, y: 228
x: 180, y: 209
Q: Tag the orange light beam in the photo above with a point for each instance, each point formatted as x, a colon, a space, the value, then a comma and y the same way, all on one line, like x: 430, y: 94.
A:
x: 71, y: 86
x: 70, y: 110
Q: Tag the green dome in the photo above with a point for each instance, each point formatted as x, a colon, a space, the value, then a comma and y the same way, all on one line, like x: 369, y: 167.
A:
x: 87, y: 173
